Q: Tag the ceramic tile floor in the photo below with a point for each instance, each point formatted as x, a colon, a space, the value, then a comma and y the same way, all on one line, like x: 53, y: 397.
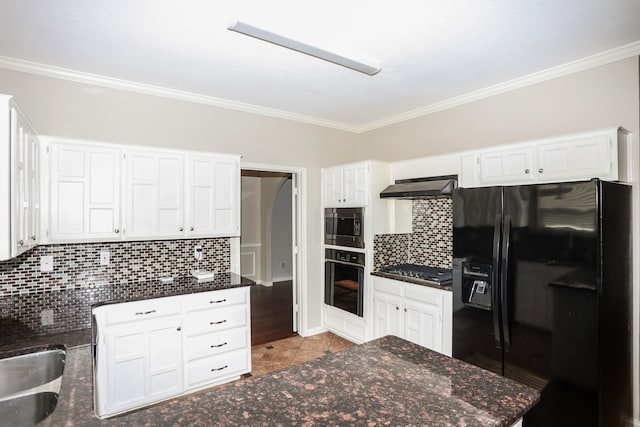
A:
x: 291, y: 351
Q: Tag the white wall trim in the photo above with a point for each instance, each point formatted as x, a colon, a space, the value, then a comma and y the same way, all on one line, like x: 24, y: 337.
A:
x: 314, y: 331
x: 23, y: 66
x: 583, y: 64
x: 602, y: 58
x: 301, y: 279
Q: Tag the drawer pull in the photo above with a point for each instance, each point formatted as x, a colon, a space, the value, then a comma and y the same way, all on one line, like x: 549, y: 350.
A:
x: 218, y: 345
x: 219, y: 369
x: 218, y: 322
x: 145, y: 312
x: 218, y: 301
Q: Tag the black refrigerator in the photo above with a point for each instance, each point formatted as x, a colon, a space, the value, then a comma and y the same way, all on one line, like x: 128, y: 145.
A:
x: 542, y: 295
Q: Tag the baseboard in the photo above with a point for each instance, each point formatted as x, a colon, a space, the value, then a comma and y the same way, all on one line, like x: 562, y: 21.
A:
x: 282, y: 279
x: 313, y: 331
x: 266, y: 284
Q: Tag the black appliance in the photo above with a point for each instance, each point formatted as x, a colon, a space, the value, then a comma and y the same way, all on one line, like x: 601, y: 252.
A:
x: 343, y: 280
x: 421, y: 188
x: 343, y: 227
x: 542, y: 295
x: 417, y: 273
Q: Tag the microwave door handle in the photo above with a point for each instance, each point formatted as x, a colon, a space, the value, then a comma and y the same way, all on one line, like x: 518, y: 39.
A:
x: 495, y: 282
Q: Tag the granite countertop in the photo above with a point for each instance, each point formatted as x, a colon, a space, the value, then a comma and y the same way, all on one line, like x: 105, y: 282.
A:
x: 388, y: 381
x: 16, y: 335
x: 181, y: 286
x: 399, y: 278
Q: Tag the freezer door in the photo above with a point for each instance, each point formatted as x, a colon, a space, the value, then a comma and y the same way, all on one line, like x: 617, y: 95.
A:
x: 477, y: 226
x: 550, y: 263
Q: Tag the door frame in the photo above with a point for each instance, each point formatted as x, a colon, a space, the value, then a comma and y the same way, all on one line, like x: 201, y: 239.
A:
x: 299, y: 237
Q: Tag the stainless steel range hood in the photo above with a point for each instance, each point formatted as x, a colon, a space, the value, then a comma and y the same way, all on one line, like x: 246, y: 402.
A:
x: 421, y: 188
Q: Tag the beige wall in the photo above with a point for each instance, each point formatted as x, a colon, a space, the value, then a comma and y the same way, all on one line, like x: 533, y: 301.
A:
x: 64, y: 108
x: 600, y: 97
x: 606, y: 96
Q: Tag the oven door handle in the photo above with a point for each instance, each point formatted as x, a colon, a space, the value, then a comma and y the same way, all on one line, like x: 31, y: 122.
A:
x: 351, y: 264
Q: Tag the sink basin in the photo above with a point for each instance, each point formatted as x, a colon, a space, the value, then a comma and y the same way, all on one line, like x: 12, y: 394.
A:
x: 30, y: 385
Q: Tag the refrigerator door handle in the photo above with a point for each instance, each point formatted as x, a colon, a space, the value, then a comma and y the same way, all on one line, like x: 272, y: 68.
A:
x: 504, y: 277
x: 495, y: 286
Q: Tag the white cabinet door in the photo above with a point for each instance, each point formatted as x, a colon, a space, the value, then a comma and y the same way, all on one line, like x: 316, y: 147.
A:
x: 20, y: 195
x: 34, y: 190
x: 213, y: 188
x: 19, y: 185
x: 577, y: 158
x: 155, y: 188
x: 507, y: 166
x: 332, y: 187
x: 355, y: 189
x: 386, y: 314
x: 144, y: 363
x: 423, y: 324
x: 85, y: 192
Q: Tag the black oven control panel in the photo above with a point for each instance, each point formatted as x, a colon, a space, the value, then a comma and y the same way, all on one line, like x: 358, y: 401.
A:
x: 344, y: 256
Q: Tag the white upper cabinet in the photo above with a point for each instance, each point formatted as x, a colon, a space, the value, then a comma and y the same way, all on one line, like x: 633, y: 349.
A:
x: 19, y: 183
x: 212, y: 195
x: 84, y: 202
x: 345, y: 186
x: 579, y: 158
x: 600, y: 154
x: 507, y: 166
x: 154, y: 203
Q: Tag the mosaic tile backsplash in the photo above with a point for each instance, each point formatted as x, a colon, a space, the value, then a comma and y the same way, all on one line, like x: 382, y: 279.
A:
x: 78, y: 280
x: 431, y: 242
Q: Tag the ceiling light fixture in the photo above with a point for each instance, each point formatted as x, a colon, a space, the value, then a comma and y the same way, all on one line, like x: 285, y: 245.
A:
x: 298, y: 46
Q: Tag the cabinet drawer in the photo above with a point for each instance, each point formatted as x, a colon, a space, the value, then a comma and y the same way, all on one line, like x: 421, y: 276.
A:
x: 216, y: 320
x: 389, y: 286
x: 214, y: 299
x: 215, y: 343
x: 139, y: 310
x: 423, y: 294
x: 212, y: 369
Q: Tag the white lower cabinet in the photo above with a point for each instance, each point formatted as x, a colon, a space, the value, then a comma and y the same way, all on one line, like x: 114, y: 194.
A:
x: 419, y: 314
x: 149, y: 351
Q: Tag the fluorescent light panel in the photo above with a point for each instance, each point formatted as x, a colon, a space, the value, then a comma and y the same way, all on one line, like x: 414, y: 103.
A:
x: 277, y: 39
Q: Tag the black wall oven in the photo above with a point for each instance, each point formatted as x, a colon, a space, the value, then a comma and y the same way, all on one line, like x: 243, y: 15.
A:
x: 343, y: 280
x: 343, y: 227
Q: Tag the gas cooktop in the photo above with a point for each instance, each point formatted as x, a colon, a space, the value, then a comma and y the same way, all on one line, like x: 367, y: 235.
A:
x: 417, y: 273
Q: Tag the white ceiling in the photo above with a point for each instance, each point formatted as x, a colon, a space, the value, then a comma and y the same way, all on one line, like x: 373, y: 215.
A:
x: 430, y: 51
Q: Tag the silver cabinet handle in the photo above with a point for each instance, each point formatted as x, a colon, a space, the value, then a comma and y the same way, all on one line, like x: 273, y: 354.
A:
x: 192, y: 229
x: 20, y: 242
x: 219, y: 369
x: 117, y: 230
x: 540, y: 170
x: 218, y: 301
x: 397, y: 308
x: 181, y: 229
x: 144, y: 312
x: 218, y: 322
x: 178, y: 328
x: 218, y: 345
x: 527, y: 171
x: 33, y: 237
x: 405, y: 310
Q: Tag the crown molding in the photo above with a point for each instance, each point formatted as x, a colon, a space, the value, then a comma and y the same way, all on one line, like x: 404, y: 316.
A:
x: 20, y: 65
x: 602, y: 58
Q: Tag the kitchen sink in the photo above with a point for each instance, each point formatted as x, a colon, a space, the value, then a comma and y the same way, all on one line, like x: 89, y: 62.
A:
x: 30, y: 385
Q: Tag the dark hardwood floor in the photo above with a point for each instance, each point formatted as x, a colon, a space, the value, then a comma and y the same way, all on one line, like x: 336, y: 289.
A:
x: 271, y: 312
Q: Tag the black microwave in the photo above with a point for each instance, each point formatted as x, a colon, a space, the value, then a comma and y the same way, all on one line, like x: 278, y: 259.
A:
x: 343, y: 227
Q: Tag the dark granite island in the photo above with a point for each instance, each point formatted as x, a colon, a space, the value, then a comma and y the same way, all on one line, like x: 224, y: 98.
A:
x: 388, y: 381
